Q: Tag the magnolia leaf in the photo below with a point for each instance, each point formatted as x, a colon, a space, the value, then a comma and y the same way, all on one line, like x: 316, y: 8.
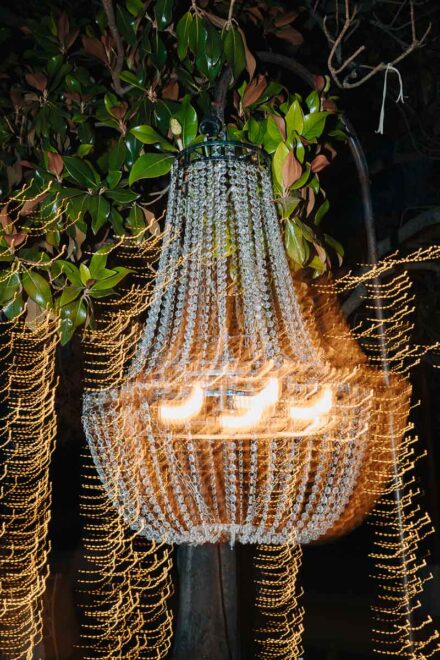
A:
x: 109, y: 282
x: 294, y: 242
x: 285, y: 19
x: 73, y: 315
x: 336, y: 245
x: 99, y: 209
x: 251, y: 62
x: 147, y: 135
x: 37, y: 288
x: 254, y: 90
x: 187, y: 118
x: 272, y: 136
x: 69, y: 294
x: 280, y: 156
x: 314, y: 124
x: 13, y: 308
x: 136, y: 219
x: 294, y: 120
x: 117, y: 155
x: 98, y: 262
x: 163, y: 11
x: 121, y: 196
x: 291, y: 35
x: 150, y: 166
x: 80, y: 171
x: 84, y: 274
x: 55, y: 163
x: 313, y: 101
x: 321, y: 212
x: 113, y: 178
x: 9, y: 287
x: 291, y: 170
x: 234, y: 51
x: 319, y: 163
x: 94, y: 47
x: 183, y: 29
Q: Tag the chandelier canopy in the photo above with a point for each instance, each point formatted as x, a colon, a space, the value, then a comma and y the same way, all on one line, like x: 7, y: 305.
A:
x: 248, y: 412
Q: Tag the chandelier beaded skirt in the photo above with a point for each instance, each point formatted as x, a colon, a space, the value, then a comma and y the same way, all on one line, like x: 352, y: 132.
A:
x: 243, y: 416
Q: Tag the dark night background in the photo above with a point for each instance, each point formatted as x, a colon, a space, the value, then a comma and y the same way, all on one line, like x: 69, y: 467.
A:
x: 405, y: 175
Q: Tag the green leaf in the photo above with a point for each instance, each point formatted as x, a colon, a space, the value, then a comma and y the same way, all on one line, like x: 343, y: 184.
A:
x: 84, y: 274
x: 197, y: 34
x: 336, y: 245
x: 98, y: 262
x: 121, y: 196
x: 113, y: 178
x: 9, y: 287
x: 159, y: 51
x: 294, y: 120
x: 109, y: 282
x: 136, y: 219
x: 314, y: 125
x: 183, y: 29
x: 117, y: 222
x: 117, y: 155
x: 99, y: 209
x: 69, y: 294
x: 76, y: 206
x: 280, y: 156
x: 61, y: 266
x: 133, y: 149
x: 14, y: 308
x: 125, y: 24
x: 209, y: 53
x: 72, y: 316
x: 84, y: 150
x: 313, y: 101
x: 255, y: 131
x: 150, y: 166
x: 272, y: 136
x: 234, y: 51
x: 321, y: 212
x: 302, y: 179
x: 287, y: 205
x: 134, y: 7
x: 147, y: 135
x: 294, y: 242
x: 163, y: 11
x: 130, y: 78
x: 80, y: 171
x: 37, y: 288
x: 163, y: 111
x: 187, y: 118
x: 72, y: 84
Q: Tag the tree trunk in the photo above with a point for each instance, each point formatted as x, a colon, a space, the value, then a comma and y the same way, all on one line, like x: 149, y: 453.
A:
x: 206, y: 627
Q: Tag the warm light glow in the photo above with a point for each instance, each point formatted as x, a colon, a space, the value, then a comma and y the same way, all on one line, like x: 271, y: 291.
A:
x: 311, y: 413
x: 254, y: 407
x: 183, y: 411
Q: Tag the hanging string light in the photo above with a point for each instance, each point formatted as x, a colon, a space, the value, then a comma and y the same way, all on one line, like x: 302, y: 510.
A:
x: 236, y: 422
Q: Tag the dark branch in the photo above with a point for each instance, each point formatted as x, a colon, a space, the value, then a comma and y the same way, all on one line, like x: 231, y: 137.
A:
x: 117, y: 68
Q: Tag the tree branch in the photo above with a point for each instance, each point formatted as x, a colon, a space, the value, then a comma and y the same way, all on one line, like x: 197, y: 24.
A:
x: 117, y: 68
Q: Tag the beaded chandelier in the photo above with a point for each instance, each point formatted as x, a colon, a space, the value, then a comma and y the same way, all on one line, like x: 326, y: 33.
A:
x: 244, y: 416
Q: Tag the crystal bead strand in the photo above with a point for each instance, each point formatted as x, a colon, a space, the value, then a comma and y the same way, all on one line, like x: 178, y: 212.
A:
x: 255, y: 329
x: 273, y: 350
x: 171, y: 232
x: 196, y: 215
x: 220, y: 233
x: 297, y: 334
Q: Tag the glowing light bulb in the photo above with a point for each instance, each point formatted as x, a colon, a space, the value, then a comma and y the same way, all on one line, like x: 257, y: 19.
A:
x: 314, y: 412
x: 254, y: 408
x: 181, y: 412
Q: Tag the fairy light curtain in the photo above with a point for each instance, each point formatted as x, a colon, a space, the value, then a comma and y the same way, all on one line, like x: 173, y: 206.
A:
x: 237, y: 419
